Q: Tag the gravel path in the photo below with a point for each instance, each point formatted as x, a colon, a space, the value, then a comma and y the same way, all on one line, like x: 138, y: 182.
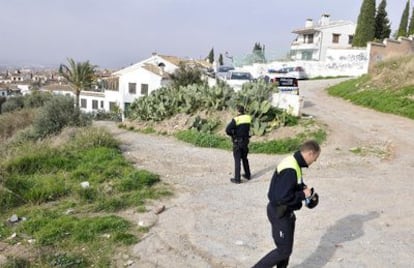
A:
x: 364, y: 218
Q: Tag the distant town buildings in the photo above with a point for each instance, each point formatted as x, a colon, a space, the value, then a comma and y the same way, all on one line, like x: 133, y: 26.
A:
x: 322, y: 48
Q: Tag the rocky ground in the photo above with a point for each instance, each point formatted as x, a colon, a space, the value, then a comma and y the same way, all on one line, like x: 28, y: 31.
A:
x: 364, y: 178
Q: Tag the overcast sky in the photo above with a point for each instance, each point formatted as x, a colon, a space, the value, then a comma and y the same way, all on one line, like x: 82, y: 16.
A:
x: 117, y: 33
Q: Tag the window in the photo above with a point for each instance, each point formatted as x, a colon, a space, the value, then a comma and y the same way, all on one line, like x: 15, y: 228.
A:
x: 94, y: 104
x: 102, y: 104
x: 83, y: 103
x: 350, y: 39
x: 308, y: 38
x: 112, y: 106
x: 144, y: 89
x: 132, y: 88
x: 335, y: 38
x: 306, y: 55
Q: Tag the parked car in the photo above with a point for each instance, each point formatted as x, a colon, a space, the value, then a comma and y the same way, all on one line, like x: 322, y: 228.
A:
x: 298, y: 72
x: 285, y: 84
x: 222, y: 71
x: 236, y: 79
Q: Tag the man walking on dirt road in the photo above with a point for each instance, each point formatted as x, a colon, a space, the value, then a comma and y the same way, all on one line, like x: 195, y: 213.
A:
x: 239, y: 130
x: 286, y: 193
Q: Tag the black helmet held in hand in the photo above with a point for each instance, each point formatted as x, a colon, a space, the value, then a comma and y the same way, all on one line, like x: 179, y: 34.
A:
x: 313, y: 200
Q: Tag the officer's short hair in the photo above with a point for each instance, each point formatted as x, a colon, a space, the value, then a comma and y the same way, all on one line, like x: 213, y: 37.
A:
x: 310, y: 145
x: 240, y: 109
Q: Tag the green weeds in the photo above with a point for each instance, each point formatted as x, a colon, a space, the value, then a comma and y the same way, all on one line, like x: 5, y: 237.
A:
x: 42, y: 184
x: 278, y: 146
x: 397, y: 101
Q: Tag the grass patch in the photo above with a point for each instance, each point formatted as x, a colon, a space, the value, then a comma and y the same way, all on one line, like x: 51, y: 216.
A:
x: 279, y: 146
x: 42, y: 183
x: 327, y: 77
x: 380, y: 91
x: 202, y: 139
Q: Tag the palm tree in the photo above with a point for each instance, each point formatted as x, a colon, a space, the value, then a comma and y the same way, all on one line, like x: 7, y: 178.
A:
x: 80, y: 76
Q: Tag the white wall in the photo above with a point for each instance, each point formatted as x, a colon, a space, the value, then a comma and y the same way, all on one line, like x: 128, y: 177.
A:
x: 327, y: 34
x: 138, y: 76
x: 89, y: 97
x: 86, y: 95
x: 293, y: 104
x: 339, y: 62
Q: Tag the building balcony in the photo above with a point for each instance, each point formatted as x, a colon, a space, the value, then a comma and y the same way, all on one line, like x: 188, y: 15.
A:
x: 306, y: 46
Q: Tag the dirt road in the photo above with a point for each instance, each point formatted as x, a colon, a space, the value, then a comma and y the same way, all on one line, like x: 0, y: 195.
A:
x: 365, y: 217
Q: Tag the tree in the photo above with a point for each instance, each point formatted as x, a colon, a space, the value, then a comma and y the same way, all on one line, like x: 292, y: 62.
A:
x: 210, y: 56
x: 258, y: 53
x: 80, y: 76
x: 411, y: 25
x: 365, y: 29
x: 382, y: 23
x: 402, y: 30
x: 186, y: 75
x: 220, y: 60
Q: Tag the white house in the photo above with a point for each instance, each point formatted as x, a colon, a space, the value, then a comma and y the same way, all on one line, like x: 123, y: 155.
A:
x: 313, y: 41
x: 124, y: 86
x: 141, y: 79
x: 144, y: 77
x: 89, y: 101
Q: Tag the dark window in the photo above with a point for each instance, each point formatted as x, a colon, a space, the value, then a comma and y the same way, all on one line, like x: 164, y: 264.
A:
x: 83, y: 103
x: 94, y: 104
x: 306, y: 55
x: 132, y: 87
x: 308, y: 38
x: 102, y: 104
x: 144, y: 89
x: 350, y: 39
x: 335, y: 38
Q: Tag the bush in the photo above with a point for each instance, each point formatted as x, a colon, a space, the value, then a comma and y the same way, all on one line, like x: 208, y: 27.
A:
x: 56, y: 114
x: 2, y: 100
x: 10, y: 123
x: 204, y: 139
x: 12, y: 104
x: 88, y: 138
x: 115, y: 115
x: 36, y: 99
x: 204, y: 125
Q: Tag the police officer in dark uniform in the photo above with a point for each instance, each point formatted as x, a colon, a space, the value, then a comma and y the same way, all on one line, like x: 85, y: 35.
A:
x: 239, y: 130
x: 286, y: 193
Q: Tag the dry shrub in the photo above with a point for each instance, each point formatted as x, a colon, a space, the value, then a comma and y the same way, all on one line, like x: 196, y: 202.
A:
x: 177, y: 122
x: 10, y: 123
x: 394, y: 73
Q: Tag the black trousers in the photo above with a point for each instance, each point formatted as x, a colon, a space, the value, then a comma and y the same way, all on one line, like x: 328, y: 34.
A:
x: 283, y: 230
x: 240, y: 151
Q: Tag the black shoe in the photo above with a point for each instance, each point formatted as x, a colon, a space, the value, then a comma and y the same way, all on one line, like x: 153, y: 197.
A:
x: 246, y: 177
x: 233, y: 180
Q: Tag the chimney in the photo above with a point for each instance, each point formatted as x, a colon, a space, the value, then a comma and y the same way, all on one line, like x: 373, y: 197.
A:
x: 309, y: 23
x: 324, y: 20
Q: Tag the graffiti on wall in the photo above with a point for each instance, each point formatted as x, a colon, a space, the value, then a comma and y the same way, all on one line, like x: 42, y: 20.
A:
x: 344, y: 60
x: 339, y: 62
